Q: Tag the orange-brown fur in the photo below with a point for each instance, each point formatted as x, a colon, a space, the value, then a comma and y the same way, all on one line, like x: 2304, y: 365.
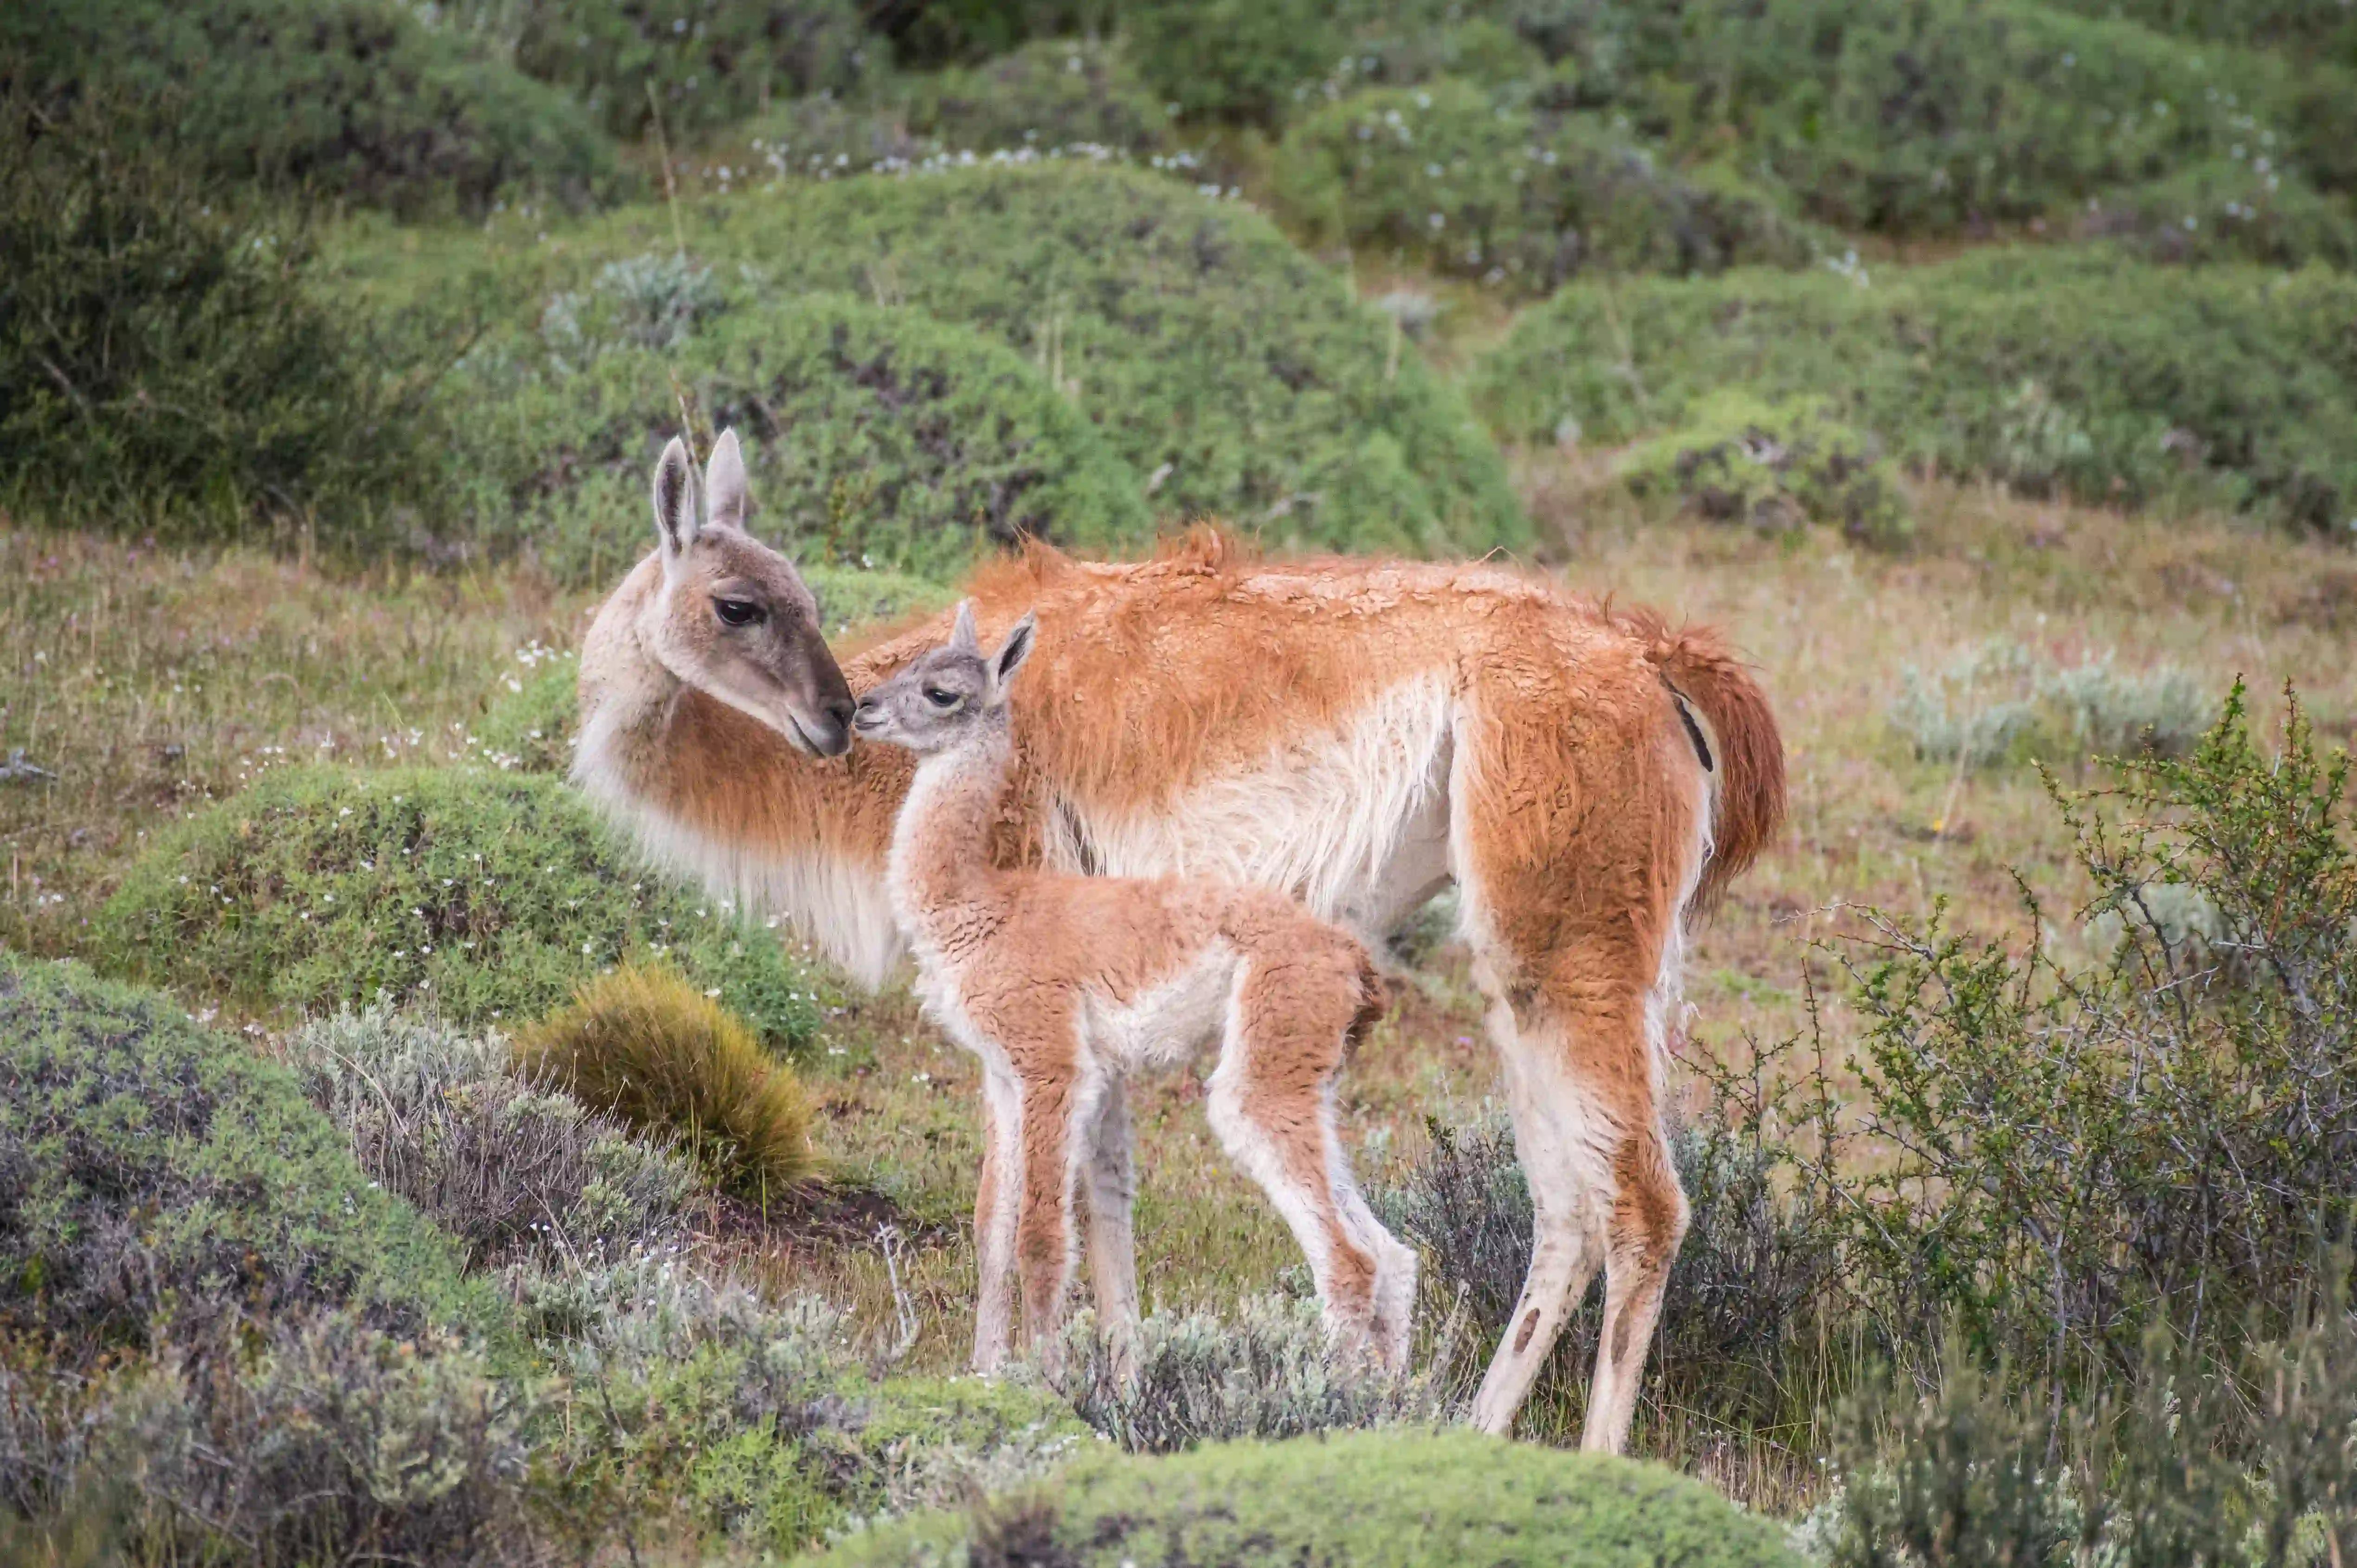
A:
x: 1582, y: 822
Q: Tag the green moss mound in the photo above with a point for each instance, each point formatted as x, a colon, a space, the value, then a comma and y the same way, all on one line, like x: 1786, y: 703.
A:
x: 490, y: 895
x: 1370, y: 1499
x: 356, y: 100
x: 2074, y: 373
x: 873, y: 434
x: 1239, y: 378
x: 1467, y: 184
x: 158, y: 1178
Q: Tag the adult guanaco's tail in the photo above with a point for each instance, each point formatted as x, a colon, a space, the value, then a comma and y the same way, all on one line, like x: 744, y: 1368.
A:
x: 1737, y: 740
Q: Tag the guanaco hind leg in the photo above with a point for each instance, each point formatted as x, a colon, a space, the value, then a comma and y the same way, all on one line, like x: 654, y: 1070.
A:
x: 1272, y: 1106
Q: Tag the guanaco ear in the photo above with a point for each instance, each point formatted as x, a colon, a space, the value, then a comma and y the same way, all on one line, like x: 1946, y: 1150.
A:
x: 1012, y: 653
x: 963, y: 639
x: 676, y: 508
x: 727, y: 500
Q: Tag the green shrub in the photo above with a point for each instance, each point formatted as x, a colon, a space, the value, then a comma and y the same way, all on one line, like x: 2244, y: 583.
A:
x: 1398, y: 45
x: 873, y: 434
x: 2225, y: 210
x: 1269, y: 1371
x: 1235, y: 375
x: 489, y: 895
x: 646, y: 1047
x: 162, y: 366
x: 708, y: 63
x: 1376, y: 1499
x: 511, y: 1170
x: 759, y: 1422
x: 2057, y: 1130
x: 315, y: 1439
x: 354, y: 100
x: 158, y: 1178
x: 1930, y: 115
x: 2295, y: 27
x: 2181, y: 1465
x: 1240, y: 61
x: 2054, y: 370
x: 937, y: 32
x: 1481, y: 186
x: 1059, y: 93
x: 1772, y: 465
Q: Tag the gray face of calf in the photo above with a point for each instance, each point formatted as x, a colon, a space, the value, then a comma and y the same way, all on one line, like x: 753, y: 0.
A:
x: 947, y: 695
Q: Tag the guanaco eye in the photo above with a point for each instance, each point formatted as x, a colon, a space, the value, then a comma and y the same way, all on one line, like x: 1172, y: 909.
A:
x: 738, y: 612
x: 939, y: 698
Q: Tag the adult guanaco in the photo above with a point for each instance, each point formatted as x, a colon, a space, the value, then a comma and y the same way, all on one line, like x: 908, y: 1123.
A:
x: 1354, y: 733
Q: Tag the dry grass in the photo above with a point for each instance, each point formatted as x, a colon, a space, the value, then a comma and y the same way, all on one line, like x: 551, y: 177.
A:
x: 642, y: 1044
x: 145, y: 682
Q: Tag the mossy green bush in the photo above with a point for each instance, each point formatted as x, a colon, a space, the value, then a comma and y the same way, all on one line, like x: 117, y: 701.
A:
x: 1235, y: 375
x: 1056, y: 92
x: 757, y: 1422
x: 1246, y: 61
x: 354, y: 101
x: 304, y: 1439
x: 704, y: 63
x: 1371, y: 1499
x: 1772, y: 465
x: 1934, y: 115
x: 1398, y: 43
x: 1471, y: 184
x: 644, y: 1045
x: 2225, y: 210
x: 2079, y: 372
x: 2298, y: 28
x: 874, y: 434
x: 164, y: 367
x: 490, y: 895
x: 158, y: 1178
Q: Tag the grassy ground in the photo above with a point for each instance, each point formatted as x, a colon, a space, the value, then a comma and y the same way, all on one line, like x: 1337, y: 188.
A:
x: 143, y: 682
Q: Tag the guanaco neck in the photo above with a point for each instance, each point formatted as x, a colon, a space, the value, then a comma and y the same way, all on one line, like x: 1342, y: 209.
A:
x: 940, y: 872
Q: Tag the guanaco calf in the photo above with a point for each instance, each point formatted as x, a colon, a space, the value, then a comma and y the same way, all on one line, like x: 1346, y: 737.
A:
x: 1061, y: 984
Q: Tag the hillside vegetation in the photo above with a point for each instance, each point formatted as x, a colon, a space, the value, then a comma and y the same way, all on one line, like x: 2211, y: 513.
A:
x: 396, y: 1166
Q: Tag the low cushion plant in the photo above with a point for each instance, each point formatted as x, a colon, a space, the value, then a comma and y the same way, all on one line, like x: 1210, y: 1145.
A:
x: 1373, y: 1500
x: 491, y: 895
x: 2079, y: 372
x: 156, y: 1175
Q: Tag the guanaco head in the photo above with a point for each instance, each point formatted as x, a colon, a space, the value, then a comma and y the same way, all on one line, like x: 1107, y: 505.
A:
x: 733, y: 618
x: 949, y: 695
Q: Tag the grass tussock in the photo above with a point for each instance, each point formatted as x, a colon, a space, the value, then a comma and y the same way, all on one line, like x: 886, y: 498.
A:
x: 643, y: 1045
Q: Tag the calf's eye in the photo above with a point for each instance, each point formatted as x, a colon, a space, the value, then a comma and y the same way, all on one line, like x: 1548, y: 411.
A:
x: 939, y: 698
